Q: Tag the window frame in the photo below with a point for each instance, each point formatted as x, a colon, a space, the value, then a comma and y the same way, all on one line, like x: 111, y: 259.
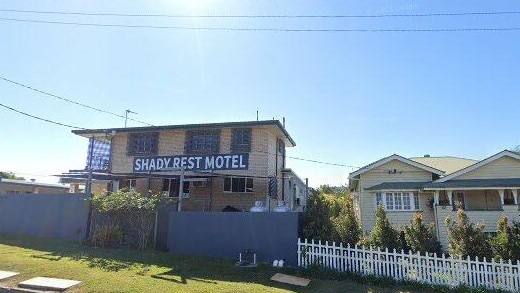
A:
x: 186, y: 186
x: 202, y: 141
x: 142, y: 143
x: 234, y: 181
x: 131, y: 184
x: 398, y: 200
x: 241, y: 140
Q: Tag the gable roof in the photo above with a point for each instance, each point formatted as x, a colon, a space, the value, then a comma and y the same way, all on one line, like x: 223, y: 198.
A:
x: 447, y: 164
x: 480, y: 164
x: 391, y: 158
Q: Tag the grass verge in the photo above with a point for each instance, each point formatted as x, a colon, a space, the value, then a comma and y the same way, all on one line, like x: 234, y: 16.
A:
x: 119, y: 270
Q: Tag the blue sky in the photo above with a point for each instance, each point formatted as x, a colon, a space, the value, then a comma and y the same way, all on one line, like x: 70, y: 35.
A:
x: 348, y: 98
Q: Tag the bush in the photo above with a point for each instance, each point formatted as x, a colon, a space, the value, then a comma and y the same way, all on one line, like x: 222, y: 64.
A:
x: 121, y: 210
x: 506, y: 243
x: 465, y: 238
x: 331, y: 217
x: 317, y: 222
x: 421, y: 238
x: 383, y: 234
x: 346, y: 225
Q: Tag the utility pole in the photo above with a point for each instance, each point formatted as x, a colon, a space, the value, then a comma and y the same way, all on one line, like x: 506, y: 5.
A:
x: 127, y: 111
x: 181, y: 188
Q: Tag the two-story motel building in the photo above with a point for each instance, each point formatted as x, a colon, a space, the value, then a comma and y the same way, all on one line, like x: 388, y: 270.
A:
x: 225, y: 165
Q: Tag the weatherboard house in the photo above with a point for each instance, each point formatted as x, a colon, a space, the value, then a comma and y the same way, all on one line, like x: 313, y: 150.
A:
x: 436, y: 187
x: 223, y: 166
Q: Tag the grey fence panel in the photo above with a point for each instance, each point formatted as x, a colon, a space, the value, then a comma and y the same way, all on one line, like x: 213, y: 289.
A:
x: 44, y: 215
x: 271, y: 235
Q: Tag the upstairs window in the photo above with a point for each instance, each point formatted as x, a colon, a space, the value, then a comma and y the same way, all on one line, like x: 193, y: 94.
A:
x: 202, y: 142
x: 241, y: 140
x: 140, y: 144
x: 238, y: 184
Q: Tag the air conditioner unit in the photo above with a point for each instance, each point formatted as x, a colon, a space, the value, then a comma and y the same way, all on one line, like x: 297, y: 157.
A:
x: 199, y: 183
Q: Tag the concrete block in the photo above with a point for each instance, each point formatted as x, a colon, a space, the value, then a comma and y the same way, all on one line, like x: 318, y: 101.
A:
x: 50, y: 284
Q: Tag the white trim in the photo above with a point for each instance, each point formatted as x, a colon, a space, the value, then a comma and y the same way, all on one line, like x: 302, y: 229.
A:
x: 392, y: 190
x: 398, y: 158
x: 479, y: 164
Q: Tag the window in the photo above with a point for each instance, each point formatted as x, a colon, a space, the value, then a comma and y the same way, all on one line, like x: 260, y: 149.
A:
x: 171, y: 187
x: 389, y: 201
x: 406, y: 201
x: 416, y: 201
x: 202, y: 142
x: 238, y: 184
x: 241, y: 140
x: 508, y: 197
x: 398, y: 201
x: 131, y: 184
x: 142, y: 144
x: 459, y: 201
x: 379, y: 199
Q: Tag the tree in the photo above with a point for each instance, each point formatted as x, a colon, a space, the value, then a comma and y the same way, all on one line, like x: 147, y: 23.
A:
x: 419, y: 237
x: 506, y: 243
x: 346, y: 224
x: 10, y: 175
x: 465, y: 238
x: 317, y: 218
x: 383, y: 234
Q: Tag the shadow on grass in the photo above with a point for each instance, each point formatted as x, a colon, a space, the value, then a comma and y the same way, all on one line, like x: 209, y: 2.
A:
x: 176, y: 277
x: 177, y: 268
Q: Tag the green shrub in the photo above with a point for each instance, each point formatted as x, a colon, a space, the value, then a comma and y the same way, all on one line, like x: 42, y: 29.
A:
x: 506, y: 243
x: 465, y: 238
x: 317, y: 222
x: 346, y: 225
x: 383, y: 235
x: 127, y: 218
x: 421, y: 238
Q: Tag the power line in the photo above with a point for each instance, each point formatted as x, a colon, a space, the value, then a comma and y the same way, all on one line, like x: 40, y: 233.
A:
x: 470, y: 13
x: 306, y: 160
x: 76, y: 127
x: 68, y: 100
x: 294, y: 30
x: 42, y: 119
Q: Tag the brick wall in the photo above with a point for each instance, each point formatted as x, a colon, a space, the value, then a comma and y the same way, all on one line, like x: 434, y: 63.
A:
x: 262, y: 164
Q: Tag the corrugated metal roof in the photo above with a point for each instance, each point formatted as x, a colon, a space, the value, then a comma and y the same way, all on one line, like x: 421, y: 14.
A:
x: 446, y: 164
x: 398, y: 186
x: 30, y: 183
x: 273, y: 123
x: 475, y: 183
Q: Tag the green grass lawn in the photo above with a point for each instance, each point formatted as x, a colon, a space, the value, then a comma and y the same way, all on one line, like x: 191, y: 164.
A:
x: 115, y: 270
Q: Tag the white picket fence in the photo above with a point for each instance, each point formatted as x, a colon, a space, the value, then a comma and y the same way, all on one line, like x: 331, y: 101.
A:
x: 429, y: 269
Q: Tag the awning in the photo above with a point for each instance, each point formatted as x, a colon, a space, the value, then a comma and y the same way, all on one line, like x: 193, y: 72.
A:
x: 505, y: 183
x: 397, y: 186
x: 77, y: 176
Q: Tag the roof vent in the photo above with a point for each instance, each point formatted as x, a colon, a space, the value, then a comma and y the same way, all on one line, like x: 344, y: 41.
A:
x: 426, y: 156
